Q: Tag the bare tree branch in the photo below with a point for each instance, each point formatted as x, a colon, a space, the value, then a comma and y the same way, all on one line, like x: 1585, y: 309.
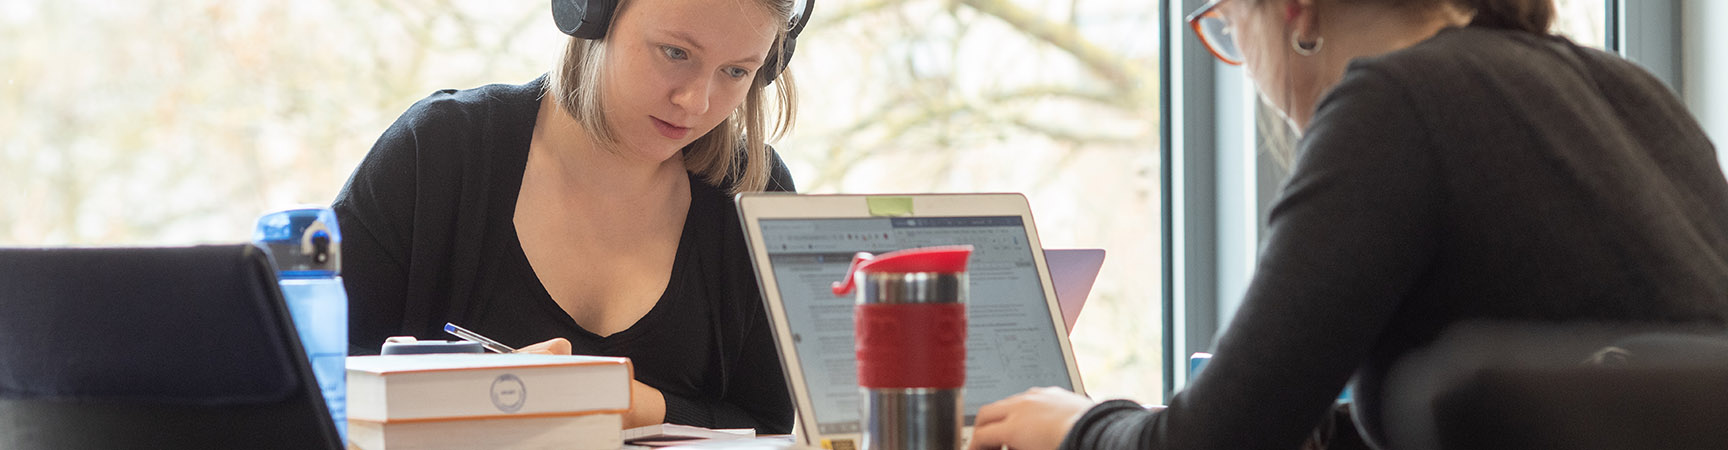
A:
x: 1125, y: 77
x: 825, y: 20
x: 893, y: 122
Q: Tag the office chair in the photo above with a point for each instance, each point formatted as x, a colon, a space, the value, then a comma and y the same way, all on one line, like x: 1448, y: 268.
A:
x: 189, y: 347
x: 1579, y: 387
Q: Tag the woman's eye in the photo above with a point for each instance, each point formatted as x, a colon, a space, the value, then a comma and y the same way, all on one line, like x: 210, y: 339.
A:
x: 737, y: 72
x: 674, y: 52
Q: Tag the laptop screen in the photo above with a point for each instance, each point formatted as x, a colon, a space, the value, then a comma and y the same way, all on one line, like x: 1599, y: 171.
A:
x: 1012, y: 343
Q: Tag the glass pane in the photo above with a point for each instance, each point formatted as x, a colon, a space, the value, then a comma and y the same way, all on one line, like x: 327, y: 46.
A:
x: 172, y: 122
x: 1054, y: 99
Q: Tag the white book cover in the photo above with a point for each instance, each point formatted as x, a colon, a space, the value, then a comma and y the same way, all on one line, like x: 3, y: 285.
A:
x: 450, y: 385
x: 582, y: 432
x: 667, y: 434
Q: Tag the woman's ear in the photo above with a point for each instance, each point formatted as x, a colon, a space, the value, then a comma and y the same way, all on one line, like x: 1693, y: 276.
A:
x: 1303, y: 17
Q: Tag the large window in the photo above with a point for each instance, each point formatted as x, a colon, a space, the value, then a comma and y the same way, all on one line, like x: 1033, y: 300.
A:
x: 172, y: 122
x: 162, y: 122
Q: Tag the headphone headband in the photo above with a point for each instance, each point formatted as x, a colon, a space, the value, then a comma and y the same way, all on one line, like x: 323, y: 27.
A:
x: 589, y: 19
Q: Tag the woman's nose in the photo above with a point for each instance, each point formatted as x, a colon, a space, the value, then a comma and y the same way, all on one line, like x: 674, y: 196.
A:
x: 692, y: 95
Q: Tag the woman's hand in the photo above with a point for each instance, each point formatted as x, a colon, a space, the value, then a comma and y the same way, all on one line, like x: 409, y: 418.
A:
x: 1037, y: 419
x: 647, y: 405
x: 554, y: 346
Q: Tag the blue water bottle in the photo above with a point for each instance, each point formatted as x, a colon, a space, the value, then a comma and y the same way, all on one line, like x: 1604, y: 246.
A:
x: 307, y: 248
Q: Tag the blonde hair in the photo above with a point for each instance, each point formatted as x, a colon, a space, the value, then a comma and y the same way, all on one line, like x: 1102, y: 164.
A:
x: 735, y: 152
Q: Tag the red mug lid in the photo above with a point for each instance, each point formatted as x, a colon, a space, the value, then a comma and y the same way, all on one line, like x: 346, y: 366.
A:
x: 944, y: 258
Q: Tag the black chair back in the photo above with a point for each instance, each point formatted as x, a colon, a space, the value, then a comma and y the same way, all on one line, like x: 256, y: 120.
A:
x: 188, y: 347
x: 1578, y: 388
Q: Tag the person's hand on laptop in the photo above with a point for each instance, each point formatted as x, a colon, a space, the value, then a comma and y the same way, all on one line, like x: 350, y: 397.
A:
x: 1037, y: 419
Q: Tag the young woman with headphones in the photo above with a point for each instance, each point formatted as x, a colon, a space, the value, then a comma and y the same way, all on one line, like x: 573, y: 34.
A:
x: 590, y: 210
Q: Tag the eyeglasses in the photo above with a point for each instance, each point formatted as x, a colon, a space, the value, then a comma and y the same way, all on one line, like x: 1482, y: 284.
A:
x: 1214, y: 31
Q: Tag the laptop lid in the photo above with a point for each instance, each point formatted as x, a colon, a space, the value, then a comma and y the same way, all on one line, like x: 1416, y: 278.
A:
x: 1073, y: 270
x: 800, y: 244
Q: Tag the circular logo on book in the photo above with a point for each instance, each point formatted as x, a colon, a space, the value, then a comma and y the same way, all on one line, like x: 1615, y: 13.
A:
x: 508, y: 393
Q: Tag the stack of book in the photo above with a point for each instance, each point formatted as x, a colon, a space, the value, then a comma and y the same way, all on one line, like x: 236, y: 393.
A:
x: 453, y: 400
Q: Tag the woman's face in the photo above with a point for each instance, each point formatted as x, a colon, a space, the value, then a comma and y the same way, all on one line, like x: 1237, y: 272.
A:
x: 677, y: 68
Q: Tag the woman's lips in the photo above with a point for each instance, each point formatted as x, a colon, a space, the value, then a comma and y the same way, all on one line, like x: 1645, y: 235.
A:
x: 669, y: 130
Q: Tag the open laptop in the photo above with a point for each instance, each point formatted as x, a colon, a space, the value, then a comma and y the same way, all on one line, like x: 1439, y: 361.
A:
x: 800, y: 244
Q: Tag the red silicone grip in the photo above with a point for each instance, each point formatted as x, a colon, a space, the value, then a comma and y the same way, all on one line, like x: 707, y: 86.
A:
x: 917, y: 345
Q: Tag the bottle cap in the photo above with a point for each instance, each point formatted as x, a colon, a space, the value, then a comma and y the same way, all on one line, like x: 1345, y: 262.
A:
x: 304, y: 242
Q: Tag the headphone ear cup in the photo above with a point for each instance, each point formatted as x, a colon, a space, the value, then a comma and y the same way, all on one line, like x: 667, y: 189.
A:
x: 586, y: 19
x: 777, y: 61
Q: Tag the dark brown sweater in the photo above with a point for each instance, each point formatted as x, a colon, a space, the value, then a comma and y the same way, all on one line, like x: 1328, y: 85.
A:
x: 1481, y: 174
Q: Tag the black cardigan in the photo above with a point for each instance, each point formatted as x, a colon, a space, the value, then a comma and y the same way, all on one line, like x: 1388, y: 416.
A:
x: 429, y: 238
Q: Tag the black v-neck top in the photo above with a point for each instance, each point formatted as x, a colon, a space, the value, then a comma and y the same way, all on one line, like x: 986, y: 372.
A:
x: 429, y: 237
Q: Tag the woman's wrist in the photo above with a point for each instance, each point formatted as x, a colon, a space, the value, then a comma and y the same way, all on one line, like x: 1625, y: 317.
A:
x: 647, y: 406
x: 1079, y: 434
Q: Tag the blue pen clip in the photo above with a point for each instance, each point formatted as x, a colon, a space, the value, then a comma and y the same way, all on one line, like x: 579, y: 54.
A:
x: 476, y: 337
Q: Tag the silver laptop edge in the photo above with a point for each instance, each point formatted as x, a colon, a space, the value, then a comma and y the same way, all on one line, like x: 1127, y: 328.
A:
x: 755, y: 207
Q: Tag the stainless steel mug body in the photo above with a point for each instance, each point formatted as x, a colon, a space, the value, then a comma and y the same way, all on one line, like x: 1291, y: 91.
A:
x: 917, y: 417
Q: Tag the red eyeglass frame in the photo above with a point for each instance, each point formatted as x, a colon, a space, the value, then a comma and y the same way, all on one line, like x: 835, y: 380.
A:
x: 1209, y: 10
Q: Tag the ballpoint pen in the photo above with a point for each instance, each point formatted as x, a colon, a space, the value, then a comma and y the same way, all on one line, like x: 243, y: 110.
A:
x: 476, y: 337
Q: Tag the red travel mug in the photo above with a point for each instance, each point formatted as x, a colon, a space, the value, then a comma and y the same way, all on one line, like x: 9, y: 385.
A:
x: 910, y: 338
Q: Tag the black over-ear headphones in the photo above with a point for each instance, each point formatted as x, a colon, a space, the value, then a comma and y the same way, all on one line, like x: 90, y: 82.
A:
x: 588, y: 19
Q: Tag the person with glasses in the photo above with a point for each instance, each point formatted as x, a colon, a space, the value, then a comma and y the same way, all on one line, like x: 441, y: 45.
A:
x: 590, y: 210
x: 1457, y: 163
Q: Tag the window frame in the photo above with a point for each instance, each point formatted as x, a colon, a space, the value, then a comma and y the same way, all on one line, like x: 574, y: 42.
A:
x: 1647, y: 32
